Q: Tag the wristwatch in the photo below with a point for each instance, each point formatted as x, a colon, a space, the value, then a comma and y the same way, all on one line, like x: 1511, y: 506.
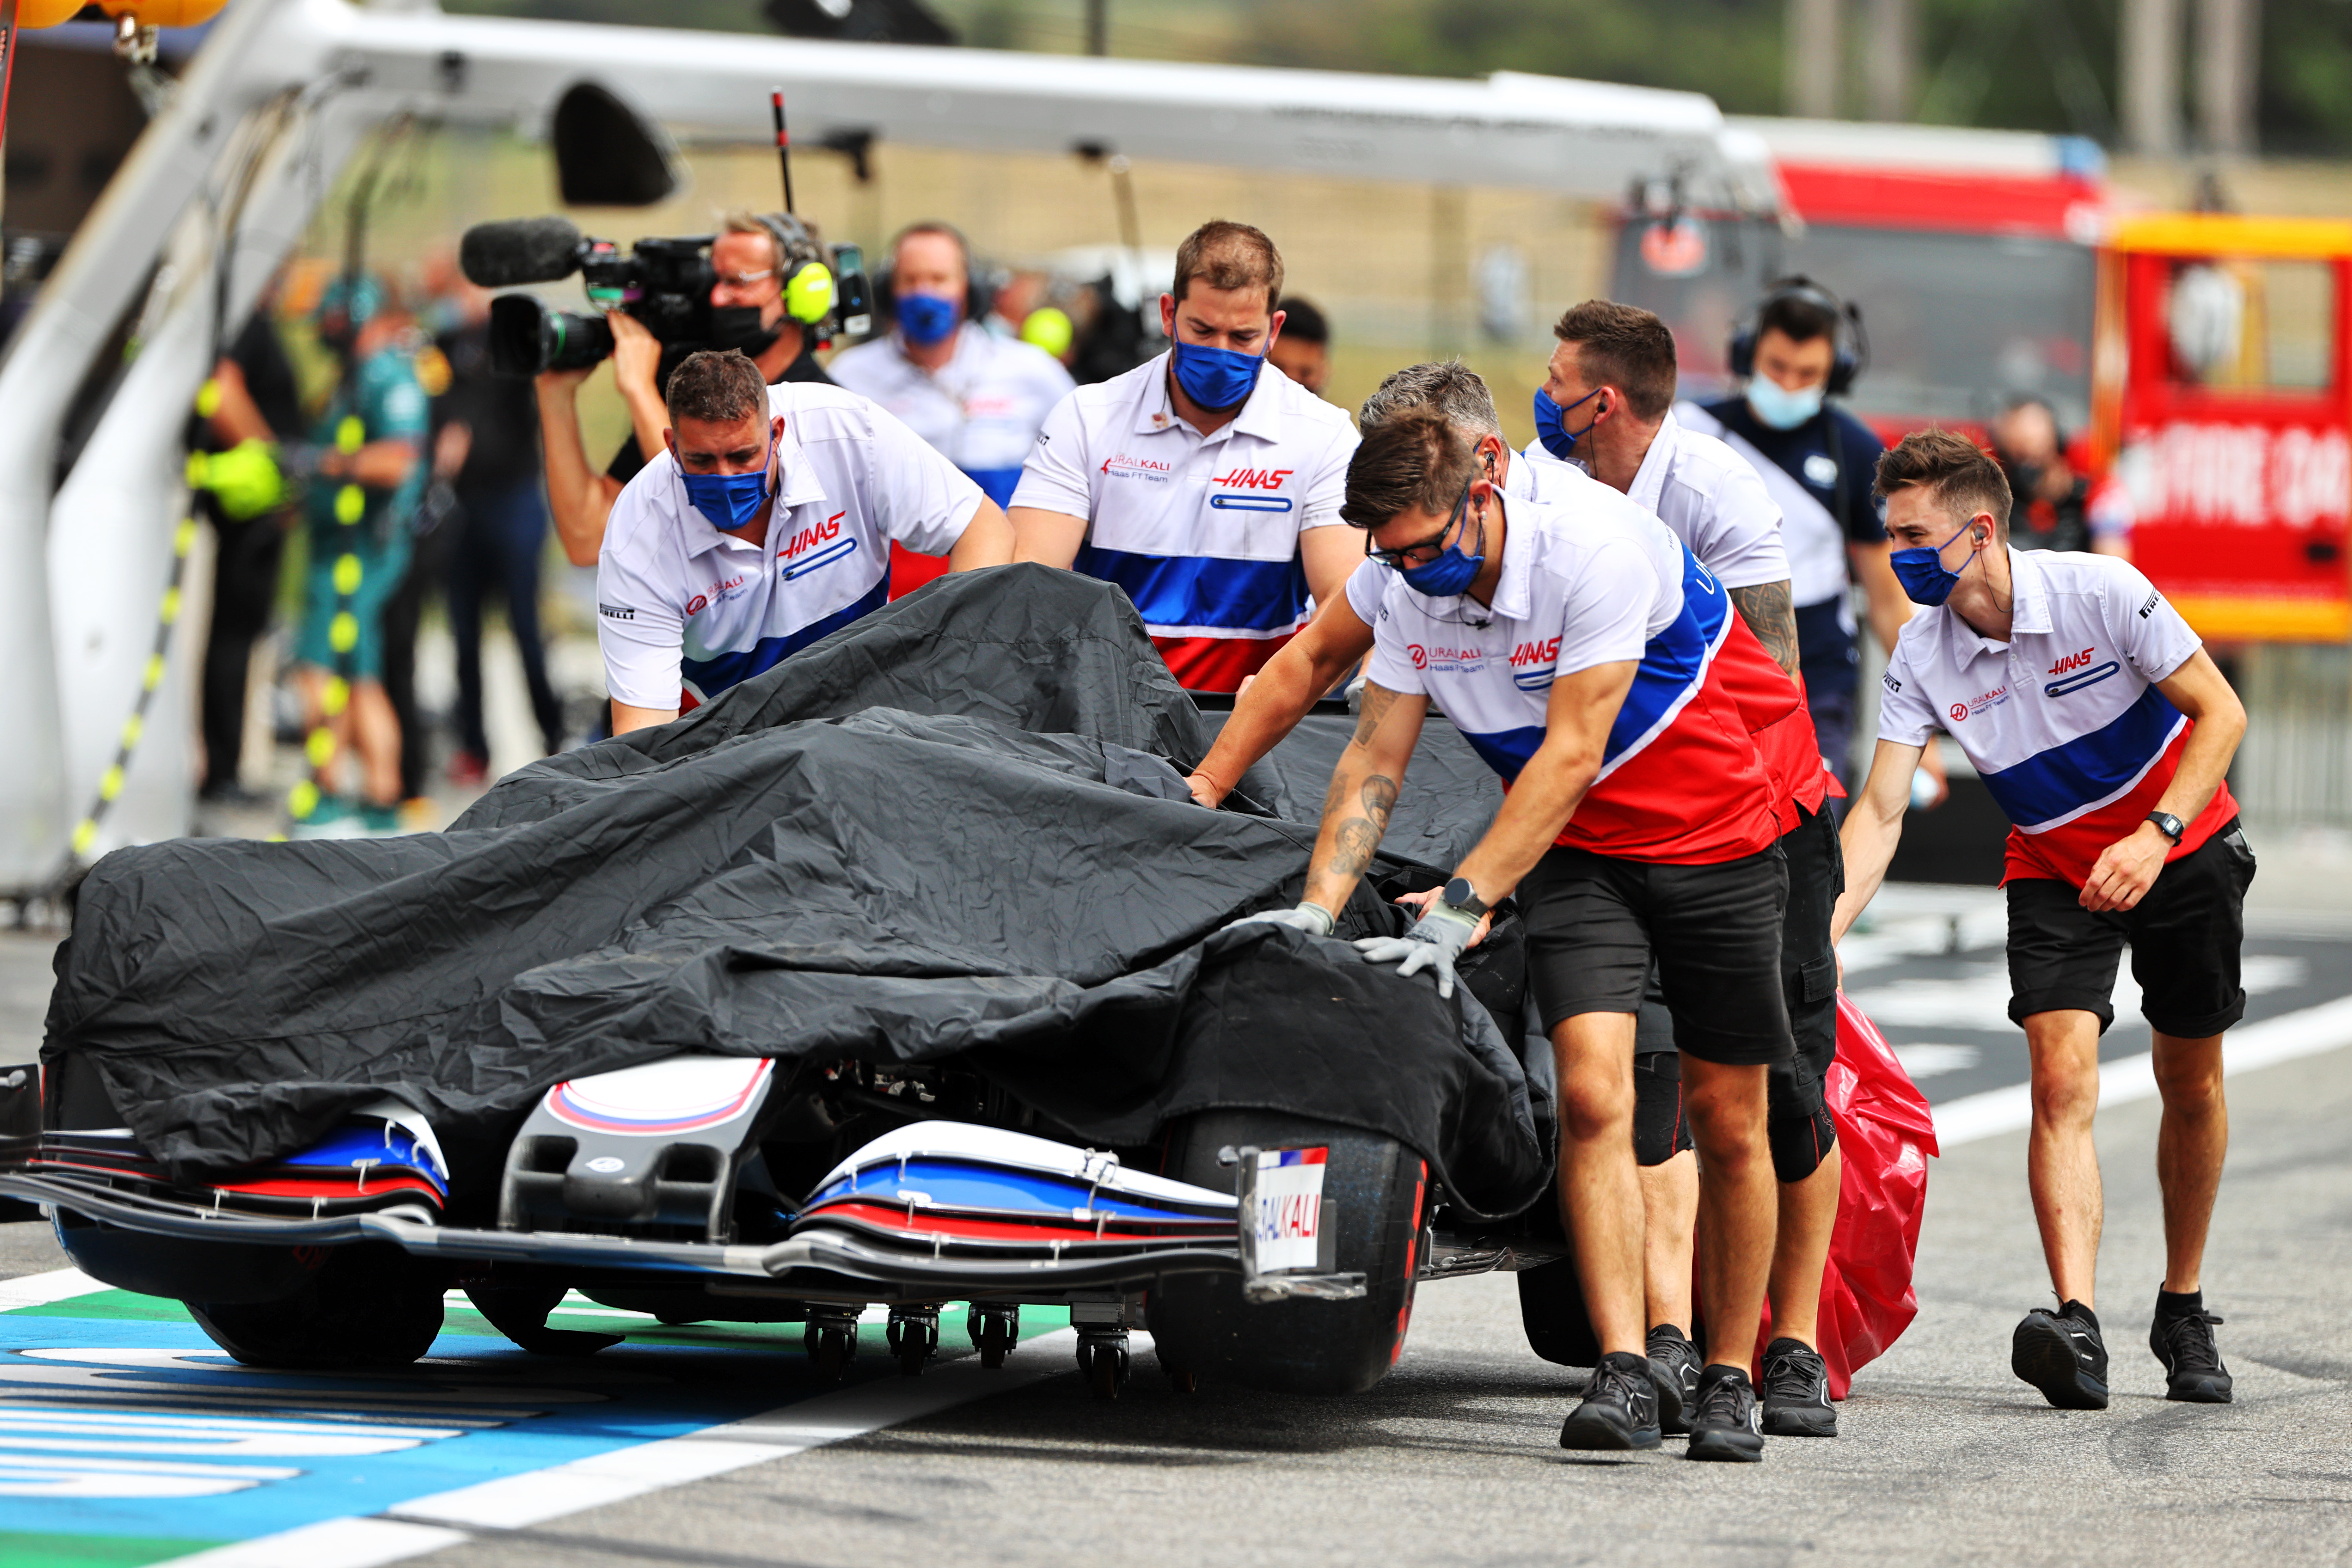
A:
x: 2171, y: 827
x: 1460, y: 895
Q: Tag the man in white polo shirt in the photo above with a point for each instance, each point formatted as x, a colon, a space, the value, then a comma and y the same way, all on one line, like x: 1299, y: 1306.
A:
x: 765, y: 524
x: 1204, y: 481
x: 2103, y: 731
x: 977, y: 398
x: 1589, y: 658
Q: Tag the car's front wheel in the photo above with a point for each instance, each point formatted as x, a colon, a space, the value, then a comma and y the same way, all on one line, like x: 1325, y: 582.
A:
x: 368, y: 1305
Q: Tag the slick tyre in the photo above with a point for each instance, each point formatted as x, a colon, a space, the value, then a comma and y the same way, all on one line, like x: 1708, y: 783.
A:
x: 366, y: 1306
x: 1373, y: 1191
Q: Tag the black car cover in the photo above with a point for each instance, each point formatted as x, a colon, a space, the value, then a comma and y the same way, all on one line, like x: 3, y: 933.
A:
x: 950, y: 831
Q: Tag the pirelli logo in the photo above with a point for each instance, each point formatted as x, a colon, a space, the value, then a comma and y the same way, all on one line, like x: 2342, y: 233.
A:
x: 2149, y: 608
x: 1891, y: 683
x: 616, y: 611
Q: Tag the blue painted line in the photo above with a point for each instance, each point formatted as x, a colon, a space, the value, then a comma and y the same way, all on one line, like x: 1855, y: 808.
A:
x: 103, y: 1408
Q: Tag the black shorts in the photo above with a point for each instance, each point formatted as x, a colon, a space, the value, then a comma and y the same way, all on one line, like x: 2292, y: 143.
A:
x: 1801, y: 1128
x: 1594, y: 923
x: 2184, y: 935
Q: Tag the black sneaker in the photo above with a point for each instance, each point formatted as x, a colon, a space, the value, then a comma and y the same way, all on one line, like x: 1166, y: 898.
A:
x: 2193, y: 1371
x: 1727, y: 1424
x: 2061, y: 1353
x: 1796, y: 1392
x: 1673, y: 1367
x: 1620, y: 1408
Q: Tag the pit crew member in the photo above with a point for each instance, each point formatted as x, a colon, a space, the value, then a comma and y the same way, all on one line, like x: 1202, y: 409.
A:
x: 976, y: 397
x: 2103, y: 731
x: 1585, y: 655
x: 1606, y: 405
x: 762, y: 525
x: 1815, y: 459
x: 774, y: 288
x: 1204, y: 482
x: 1303, y: 352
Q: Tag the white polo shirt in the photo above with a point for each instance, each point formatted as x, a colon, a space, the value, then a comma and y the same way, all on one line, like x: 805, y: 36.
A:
x: 1711, y: 497
x: 982, y: 409
x: 1681, y: 781
x: 1201, y: 532
x: 685, y: 610
x: 2064, y: 720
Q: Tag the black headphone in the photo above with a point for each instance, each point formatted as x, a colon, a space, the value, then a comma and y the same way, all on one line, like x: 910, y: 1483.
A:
x: 1851, y: 344
x: 978, y: 298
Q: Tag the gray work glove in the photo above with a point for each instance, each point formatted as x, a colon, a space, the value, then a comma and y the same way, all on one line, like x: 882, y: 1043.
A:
x: 1312, y: 919
x: 1436, y: 941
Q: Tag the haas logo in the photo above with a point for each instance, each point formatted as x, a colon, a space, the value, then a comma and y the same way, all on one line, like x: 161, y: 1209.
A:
x: 1253, y: 479
x: 1420, y: 654
x: 2072, y: 661
x: 816, y: 533
x: 1535, y: 653
x: 1960, y: 712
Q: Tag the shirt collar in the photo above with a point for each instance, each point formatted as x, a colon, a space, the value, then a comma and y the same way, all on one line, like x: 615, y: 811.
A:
x: 2028, y: 601
x: 1514, y: 591
x: 1650, y: 479
x: 1519, y: 478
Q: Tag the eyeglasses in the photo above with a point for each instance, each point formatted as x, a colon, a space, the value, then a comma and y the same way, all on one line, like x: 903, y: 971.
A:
x: 745, y: 280
x: 1400, y: 558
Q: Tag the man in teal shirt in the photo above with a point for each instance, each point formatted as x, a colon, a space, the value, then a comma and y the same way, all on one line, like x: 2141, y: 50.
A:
x: 370, y: 475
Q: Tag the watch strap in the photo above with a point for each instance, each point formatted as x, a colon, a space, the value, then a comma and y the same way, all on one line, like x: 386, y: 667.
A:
x: 2171, y: 827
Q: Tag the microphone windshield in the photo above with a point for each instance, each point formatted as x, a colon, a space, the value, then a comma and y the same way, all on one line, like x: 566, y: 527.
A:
x: 518, y: 250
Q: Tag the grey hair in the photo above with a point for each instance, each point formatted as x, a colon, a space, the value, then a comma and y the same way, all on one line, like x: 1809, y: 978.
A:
x: 1449, y: 386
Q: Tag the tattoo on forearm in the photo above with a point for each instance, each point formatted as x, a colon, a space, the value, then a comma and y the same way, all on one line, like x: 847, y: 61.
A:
x: 1378, y: 794
x: 1771, y: 615
x: 1376, y: 702
x: 1352, y: 848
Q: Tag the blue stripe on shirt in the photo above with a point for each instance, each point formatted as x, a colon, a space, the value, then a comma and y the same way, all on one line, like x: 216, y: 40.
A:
x: 709, y: 676
x: 1206, y: 591
x: 1673, y: 662
x: 997, y: 484
x: 2088, y: 768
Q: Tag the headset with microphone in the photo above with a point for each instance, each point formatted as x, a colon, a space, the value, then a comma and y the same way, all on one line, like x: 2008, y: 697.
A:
x: 803, y: 265
x: 1848, y: 340
x: 977, y: 299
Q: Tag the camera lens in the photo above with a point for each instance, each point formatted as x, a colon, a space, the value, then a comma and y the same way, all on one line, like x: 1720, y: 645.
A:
x: 527, y: 337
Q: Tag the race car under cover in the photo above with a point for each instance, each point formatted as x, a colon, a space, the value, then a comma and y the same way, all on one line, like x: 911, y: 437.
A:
x: 894, y: 976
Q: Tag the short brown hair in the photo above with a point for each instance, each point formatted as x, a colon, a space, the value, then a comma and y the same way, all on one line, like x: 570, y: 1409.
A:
x: 1229, y: 256
x: 1417, y: 459
x: 1957, y: 474
x: 715, y: 386
x: 1625, y: 347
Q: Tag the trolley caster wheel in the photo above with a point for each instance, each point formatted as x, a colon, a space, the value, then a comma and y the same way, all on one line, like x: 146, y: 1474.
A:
x: 1180, y: 1381
x: 995, y: 1329
x: 913, y: 1335
x: 831, y: 1342
x: 1103, y: 1361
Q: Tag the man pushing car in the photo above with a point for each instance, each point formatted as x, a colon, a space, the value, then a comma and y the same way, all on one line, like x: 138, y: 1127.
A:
x: 1586, y: 656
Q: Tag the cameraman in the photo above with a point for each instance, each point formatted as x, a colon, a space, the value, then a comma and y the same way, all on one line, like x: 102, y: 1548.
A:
x: 756, y: 260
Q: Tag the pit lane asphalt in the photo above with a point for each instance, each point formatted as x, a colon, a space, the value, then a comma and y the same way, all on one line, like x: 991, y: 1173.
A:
x: 1945, y: 1457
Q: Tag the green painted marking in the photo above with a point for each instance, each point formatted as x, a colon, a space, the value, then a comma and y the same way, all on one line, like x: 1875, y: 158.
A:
x: 31, y: 1549
x: 121, y: 1306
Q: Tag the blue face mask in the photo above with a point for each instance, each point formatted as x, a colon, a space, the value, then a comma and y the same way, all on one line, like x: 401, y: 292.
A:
x: 729, y: 500
x: 1216, y: 379
x: 1451, y: 571
x: 925, y: 318
x: 1557, y: 439
x: 1921, y: 570
x: 1779, y: 407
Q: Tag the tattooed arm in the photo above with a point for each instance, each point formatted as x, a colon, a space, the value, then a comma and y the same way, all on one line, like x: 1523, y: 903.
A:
x: 1771, y: 615
x: 1363, y: 792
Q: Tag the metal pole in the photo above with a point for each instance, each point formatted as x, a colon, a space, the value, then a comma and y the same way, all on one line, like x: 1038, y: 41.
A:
x: 1891, y: 55
x: 2150, y: 68
x: 1098, y: 26
x: 2228, y: 63
x: 1812, y: 56
x: 783, y: 146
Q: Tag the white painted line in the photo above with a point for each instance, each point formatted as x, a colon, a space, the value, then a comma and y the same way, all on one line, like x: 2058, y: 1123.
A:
x: 2305, y: 1033
x: 40, y: 1290
x: 515, y: 1502
x: 330, y: 1543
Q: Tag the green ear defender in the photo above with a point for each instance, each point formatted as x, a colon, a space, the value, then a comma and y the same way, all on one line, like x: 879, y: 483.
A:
x: 808, y: 297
